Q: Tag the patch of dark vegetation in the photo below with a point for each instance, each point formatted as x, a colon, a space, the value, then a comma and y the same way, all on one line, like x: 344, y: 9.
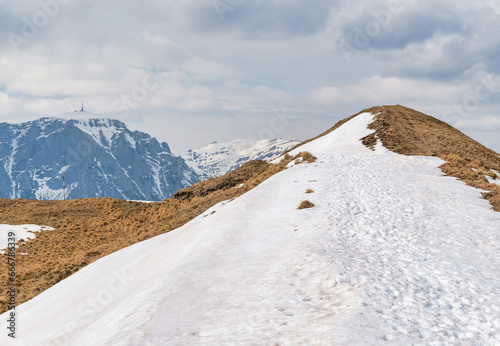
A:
x: 305, y: 205
x: 370, y: 141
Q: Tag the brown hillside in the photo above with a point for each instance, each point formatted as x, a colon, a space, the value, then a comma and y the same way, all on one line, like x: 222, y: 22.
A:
x: 88, y: 229
x: 409, y: 132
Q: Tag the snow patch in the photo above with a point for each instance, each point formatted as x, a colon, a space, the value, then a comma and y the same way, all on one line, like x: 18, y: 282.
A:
x: 44, y: 192
x: 101, y: 130
x: 64, y: 169
x: 130, y: 140
x: 492, y: 180
x: 25, y: 232
x: 344, y: 139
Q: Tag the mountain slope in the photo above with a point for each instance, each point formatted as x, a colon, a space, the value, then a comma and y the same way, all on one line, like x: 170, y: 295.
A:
x: 406, y: 131
x: 409, y: 132
x: 388, y: 254
x: 218, y: 159
x: 99, y: 158
x: 89, y: 229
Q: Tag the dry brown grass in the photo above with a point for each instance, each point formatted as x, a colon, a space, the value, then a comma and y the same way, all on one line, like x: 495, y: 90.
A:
x: 409, y: 132
x: 88, y: 229
x: 309, y: 191
x: 305, y: 205
x: 307, y: 157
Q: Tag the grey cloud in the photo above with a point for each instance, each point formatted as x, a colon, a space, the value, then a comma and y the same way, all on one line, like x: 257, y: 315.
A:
x: 262, y: 19
x: 477, y: 47
x: 411, y: 28
x: 389, y: 26
x: 424, y: 39
x: 99, y: 21
x: 435, y: 42
x: 8, y: 24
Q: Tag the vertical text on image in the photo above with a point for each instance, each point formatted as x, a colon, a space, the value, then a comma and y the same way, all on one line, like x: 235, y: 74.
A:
x: 12, y: 284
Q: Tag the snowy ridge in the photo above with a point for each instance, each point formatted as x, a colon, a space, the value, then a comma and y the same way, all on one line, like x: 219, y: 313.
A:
x: 392, y: 252
x: 345, y: 139
x: 217, y: 159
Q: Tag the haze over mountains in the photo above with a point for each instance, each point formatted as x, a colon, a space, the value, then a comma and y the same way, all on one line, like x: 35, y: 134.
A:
x: 390, y: 251
x: 102, y: 158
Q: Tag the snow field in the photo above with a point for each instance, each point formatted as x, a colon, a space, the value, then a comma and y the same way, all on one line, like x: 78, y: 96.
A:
x: 393, y: 253
x: 421, y: 252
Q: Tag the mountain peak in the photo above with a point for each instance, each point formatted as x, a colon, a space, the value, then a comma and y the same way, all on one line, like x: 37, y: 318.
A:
x: 406, y: 131
x: 100, y: 157
x: 93, y: 119
x: 409, y: 132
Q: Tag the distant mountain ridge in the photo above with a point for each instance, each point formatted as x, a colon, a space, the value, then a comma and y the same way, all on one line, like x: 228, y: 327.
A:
x: 99, y: 158
x: 217, y: 159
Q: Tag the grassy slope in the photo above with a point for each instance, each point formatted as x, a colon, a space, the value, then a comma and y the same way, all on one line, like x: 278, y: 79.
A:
x: 409, y: 132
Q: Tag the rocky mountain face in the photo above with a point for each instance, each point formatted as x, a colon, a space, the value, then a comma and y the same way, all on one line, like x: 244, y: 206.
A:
x: 218, y: 159
x: 98, y: 158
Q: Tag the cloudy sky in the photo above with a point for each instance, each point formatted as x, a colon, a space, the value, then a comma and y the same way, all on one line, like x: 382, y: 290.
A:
x: 193, y: 71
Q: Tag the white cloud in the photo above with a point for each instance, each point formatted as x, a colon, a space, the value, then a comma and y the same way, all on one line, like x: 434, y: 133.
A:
x: 379, y: 90
x: 487, y: 123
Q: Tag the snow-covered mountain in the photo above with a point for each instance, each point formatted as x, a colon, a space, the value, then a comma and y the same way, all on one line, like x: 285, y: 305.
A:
x: 98, y: 157
x: 392, y: 253
x: 217, y: 159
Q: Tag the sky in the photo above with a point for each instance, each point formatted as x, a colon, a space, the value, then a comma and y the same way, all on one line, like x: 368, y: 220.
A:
x: 190, y: 72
